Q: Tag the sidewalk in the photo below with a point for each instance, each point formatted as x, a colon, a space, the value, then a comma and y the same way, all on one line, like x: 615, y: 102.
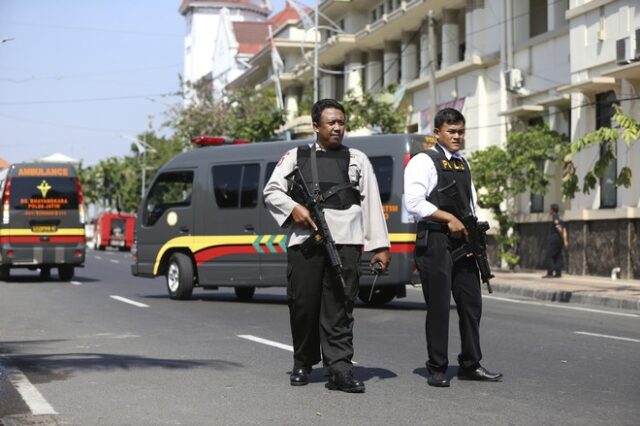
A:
x: 578, y: 289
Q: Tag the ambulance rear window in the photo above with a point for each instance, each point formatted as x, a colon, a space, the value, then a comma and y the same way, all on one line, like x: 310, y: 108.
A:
x: 44, y: 193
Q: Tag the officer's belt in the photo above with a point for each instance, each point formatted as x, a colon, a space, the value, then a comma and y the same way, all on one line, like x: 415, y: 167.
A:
x: 436, y: 227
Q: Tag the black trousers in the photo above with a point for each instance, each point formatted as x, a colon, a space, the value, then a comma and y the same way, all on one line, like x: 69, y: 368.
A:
x: 320, y: 309
x: 440, y: 279
x: 554, y: 257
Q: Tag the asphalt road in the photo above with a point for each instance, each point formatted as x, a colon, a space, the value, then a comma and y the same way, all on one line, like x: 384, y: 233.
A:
x: 81, y: 353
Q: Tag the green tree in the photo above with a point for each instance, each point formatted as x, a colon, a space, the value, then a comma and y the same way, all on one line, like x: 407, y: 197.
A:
x: 244, y: 114
x: 500, y: 175
x: 628, y: 129
x: 374, y: 111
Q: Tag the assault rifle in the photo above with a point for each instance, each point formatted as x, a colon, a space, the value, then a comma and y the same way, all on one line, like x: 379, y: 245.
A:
x: 476, y: 245
x: 300, y: 193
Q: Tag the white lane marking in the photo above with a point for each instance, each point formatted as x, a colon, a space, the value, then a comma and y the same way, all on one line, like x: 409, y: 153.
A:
x: 129, y: 301
x: 556, y: 305
x: 31, y: 396
x: 606, y: 336
x: 98, y: 257
x: 266, y: 342
x: 272, y: 343
x: 114, y: 261
x: 76, y: 283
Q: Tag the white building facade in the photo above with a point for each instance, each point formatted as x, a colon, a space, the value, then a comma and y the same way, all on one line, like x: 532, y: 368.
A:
x: 506, y: 64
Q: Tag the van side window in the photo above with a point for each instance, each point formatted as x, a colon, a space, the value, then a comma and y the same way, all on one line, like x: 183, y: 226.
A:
x: 171, y: 189
x: 236, y: 185
x: 383, y: 168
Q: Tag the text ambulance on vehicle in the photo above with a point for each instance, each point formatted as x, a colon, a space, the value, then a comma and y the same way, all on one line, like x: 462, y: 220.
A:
x: 203, y: 222
x: 42, y: 219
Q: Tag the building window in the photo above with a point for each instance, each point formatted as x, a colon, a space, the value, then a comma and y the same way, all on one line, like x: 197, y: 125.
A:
x: 604, y: 112
x: 537, y: 17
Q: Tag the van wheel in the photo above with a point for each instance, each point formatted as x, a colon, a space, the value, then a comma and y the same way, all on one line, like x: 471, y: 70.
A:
x: 45, y: 273
x: 245, y: 293
x: 180, y: 277
x: 4, y: 272
x: 65, y: 272
x: 380, y: 296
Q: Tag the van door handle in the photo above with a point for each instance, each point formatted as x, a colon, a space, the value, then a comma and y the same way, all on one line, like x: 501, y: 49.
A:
x: 249, y: 228
x: 184, y: 229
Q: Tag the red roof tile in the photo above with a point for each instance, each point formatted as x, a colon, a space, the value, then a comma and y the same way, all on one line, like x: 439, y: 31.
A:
x: 286, y: 14
x: 251, y: 36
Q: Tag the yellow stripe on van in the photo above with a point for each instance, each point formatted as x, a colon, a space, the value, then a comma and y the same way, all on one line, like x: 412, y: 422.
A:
x: 196, y: 243
x: 402, y: 238
x: 14, y: 232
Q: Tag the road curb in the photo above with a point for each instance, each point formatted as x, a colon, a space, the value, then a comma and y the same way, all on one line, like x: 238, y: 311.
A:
x: 567, y: 296
x: 29, y: 420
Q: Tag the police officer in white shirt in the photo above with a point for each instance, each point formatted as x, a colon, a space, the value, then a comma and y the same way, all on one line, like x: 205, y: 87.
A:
x: 320, y: 308
x: 427, y: 178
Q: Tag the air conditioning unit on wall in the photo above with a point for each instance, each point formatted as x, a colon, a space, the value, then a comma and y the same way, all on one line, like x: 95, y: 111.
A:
x: 514, y: 79
x: 624, y: 51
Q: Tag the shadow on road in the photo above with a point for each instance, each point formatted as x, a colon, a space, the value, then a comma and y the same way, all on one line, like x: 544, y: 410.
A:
x: 44, y: 368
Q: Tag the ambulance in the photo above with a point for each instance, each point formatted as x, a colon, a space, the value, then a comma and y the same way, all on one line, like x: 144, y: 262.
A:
x: 43, y: 219
x: 203, y: 222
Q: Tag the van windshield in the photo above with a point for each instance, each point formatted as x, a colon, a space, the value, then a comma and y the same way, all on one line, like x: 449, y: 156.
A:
x: 44, y: 193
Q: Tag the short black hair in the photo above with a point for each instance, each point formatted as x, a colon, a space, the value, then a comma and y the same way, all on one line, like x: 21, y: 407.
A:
x: 448, y: 116
x: 555, y: 208
x: 321, y: 105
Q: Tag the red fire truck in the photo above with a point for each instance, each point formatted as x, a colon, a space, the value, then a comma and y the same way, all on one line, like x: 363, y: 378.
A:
x: 114, y: 230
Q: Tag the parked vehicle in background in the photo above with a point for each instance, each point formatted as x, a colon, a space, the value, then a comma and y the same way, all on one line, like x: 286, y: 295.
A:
x: 43, y: 219
x: 114, y: 230
x: 203, y: 221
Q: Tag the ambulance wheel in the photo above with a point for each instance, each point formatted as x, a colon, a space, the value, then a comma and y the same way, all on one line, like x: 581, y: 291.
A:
x: 245, y: 293
x: 45, y: 273
x: 180, y: 277
x: 4, y: 272
x: 380, y: 296
x: 65, y: 272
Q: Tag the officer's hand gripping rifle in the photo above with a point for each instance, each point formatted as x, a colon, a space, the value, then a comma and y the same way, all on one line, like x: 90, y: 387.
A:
x: 323, y: 235
x: 476, y: 244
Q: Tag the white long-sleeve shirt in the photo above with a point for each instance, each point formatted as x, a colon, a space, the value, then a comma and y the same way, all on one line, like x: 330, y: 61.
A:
x: 420, y: 178
x: 362, y: 224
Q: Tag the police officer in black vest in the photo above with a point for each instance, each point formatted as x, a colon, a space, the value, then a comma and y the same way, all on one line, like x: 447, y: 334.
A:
x: 429, y: 180
x: 320, y: 308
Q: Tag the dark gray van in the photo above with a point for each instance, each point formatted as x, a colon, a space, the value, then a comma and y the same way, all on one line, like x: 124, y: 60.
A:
x: 42, y: 219
x: 203, y: 221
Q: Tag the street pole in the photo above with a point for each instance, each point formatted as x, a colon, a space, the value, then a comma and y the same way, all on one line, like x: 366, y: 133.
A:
x: 316, y: 78
x: 432, y: 69
x: 144, y: 168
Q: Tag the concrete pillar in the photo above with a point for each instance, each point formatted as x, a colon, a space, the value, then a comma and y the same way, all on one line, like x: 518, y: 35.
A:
x: 475, y: 26
x: 408, y: 57
x: 391, y: 62
x: 291, y: 102
x: 327, y: 86
x: 373, y: 71
x: 424, y: 49
x: 353, y: 73
x: 450, y: 37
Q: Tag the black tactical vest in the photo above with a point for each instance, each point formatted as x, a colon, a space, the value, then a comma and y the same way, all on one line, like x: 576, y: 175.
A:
x: 455, y: 175
x: 333, y: 177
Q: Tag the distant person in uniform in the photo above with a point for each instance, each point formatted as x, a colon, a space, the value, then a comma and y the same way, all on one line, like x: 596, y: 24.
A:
x: 427, y: 180
x: 320, y: 308
x: 557, y: 241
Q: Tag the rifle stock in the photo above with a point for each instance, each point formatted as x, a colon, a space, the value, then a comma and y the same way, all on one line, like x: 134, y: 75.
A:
x: 323, y: 234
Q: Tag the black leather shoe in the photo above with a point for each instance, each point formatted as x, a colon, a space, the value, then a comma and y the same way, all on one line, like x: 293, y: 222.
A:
x: 345, y: 382
x: 299, y: 376
x: 547, y: 276
x: 438, y: 379
x: 479, y: 373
